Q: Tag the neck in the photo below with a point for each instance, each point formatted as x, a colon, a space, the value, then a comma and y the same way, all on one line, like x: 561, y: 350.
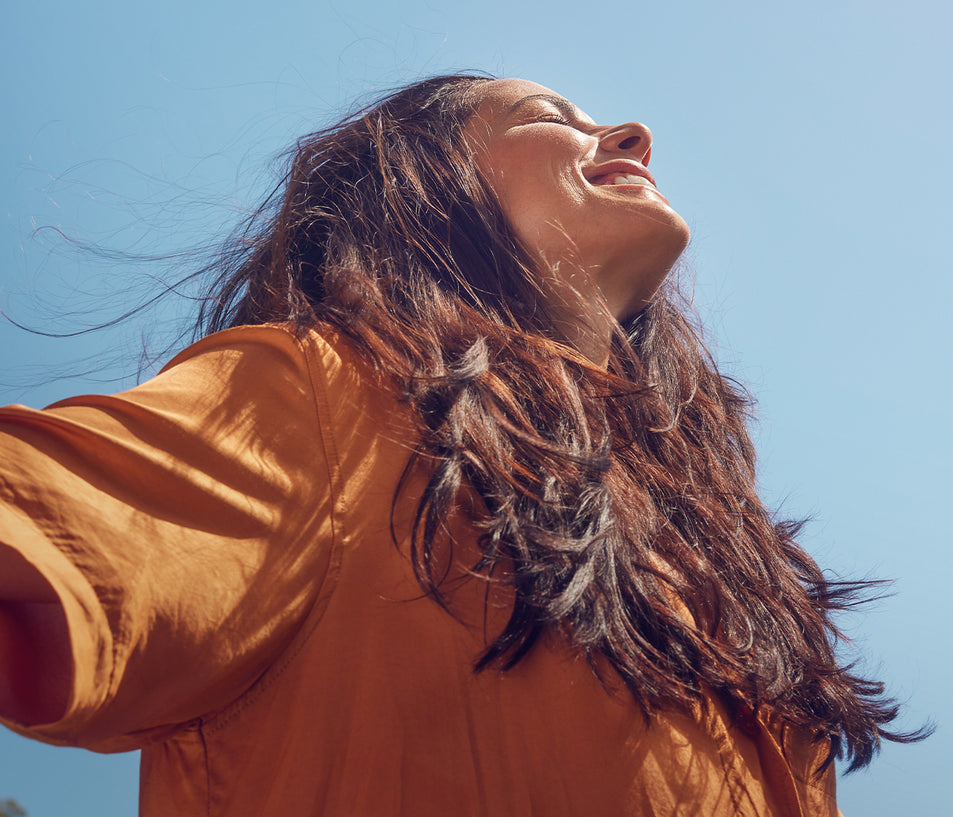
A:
x: 590, y: 338
x: 579, y: 313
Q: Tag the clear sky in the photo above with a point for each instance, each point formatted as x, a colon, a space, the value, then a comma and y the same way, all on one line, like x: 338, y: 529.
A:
x: 807, y: 144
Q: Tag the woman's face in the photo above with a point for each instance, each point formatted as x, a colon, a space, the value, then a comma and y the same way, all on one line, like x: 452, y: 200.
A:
x: 577, y: 194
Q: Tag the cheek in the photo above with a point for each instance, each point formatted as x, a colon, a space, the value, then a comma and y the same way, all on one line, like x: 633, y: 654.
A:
x: 542, y: 201
x: 549, y: 219
x: 534, y: 174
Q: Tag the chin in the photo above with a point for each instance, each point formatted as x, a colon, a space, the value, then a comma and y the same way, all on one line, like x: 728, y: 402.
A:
x: 631, y: 285
x: 673, y: 232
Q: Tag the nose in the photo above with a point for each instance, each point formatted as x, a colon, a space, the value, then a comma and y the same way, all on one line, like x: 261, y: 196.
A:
x: 633, y: 139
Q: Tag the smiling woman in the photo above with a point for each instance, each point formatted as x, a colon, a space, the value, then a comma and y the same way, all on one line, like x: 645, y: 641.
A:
x: 580, y: 198
x: 449, y: 511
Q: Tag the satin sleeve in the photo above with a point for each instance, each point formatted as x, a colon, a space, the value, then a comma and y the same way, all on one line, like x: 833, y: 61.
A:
x: 185, y: 527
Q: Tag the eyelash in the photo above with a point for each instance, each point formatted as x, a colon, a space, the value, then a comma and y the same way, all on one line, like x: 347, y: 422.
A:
x: 555, y: 118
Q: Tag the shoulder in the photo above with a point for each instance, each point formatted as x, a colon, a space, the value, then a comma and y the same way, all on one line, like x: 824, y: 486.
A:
x: 283, y: 343
x: 271, y: 362
x: 262, y: 341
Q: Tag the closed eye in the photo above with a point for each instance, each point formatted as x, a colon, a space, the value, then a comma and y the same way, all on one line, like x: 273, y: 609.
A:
x: 556, y: 118
x: 553, y: 109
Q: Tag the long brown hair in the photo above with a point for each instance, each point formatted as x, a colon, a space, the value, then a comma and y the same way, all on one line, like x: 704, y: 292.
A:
x: 613, y: 500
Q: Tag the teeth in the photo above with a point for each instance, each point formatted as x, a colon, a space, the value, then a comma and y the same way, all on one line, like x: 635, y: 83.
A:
x: 630, y: 178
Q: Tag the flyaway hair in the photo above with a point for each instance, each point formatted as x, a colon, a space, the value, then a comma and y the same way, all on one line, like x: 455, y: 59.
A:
x: 619, y: 505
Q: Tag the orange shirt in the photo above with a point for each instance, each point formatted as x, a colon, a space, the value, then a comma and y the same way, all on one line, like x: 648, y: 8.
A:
x: 220, y: 540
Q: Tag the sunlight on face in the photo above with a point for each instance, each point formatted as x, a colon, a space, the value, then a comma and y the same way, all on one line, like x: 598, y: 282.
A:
x: 577, y: 194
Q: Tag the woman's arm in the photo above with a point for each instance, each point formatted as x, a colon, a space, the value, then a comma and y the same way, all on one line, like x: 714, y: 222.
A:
x: 173, y: 538
x: 34, y: 644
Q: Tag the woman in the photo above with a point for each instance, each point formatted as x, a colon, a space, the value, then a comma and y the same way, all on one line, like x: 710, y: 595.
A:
x: 457, y: 517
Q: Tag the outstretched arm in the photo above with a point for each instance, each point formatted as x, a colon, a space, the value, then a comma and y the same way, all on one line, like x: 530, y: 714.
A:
x: 173, y: 538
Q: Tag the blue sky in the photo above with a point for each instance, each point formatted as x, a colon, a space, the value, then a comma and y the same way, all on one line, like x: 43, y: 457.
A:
x: 806, y: 144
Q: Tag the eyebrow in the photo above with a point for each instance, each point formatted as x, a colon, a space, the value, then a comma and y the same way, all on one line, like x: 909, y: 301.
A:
x: 564, y: 106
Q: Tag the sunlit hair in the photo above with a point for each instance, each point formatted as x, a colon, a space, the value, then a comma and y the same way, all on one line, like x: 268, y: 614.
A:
x: 612, y: 501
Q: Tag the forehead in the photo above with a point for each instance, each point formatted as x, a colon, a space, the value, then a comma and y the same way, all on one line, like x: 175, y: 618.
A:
x: 497, y: 98
x: 502, y: 92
